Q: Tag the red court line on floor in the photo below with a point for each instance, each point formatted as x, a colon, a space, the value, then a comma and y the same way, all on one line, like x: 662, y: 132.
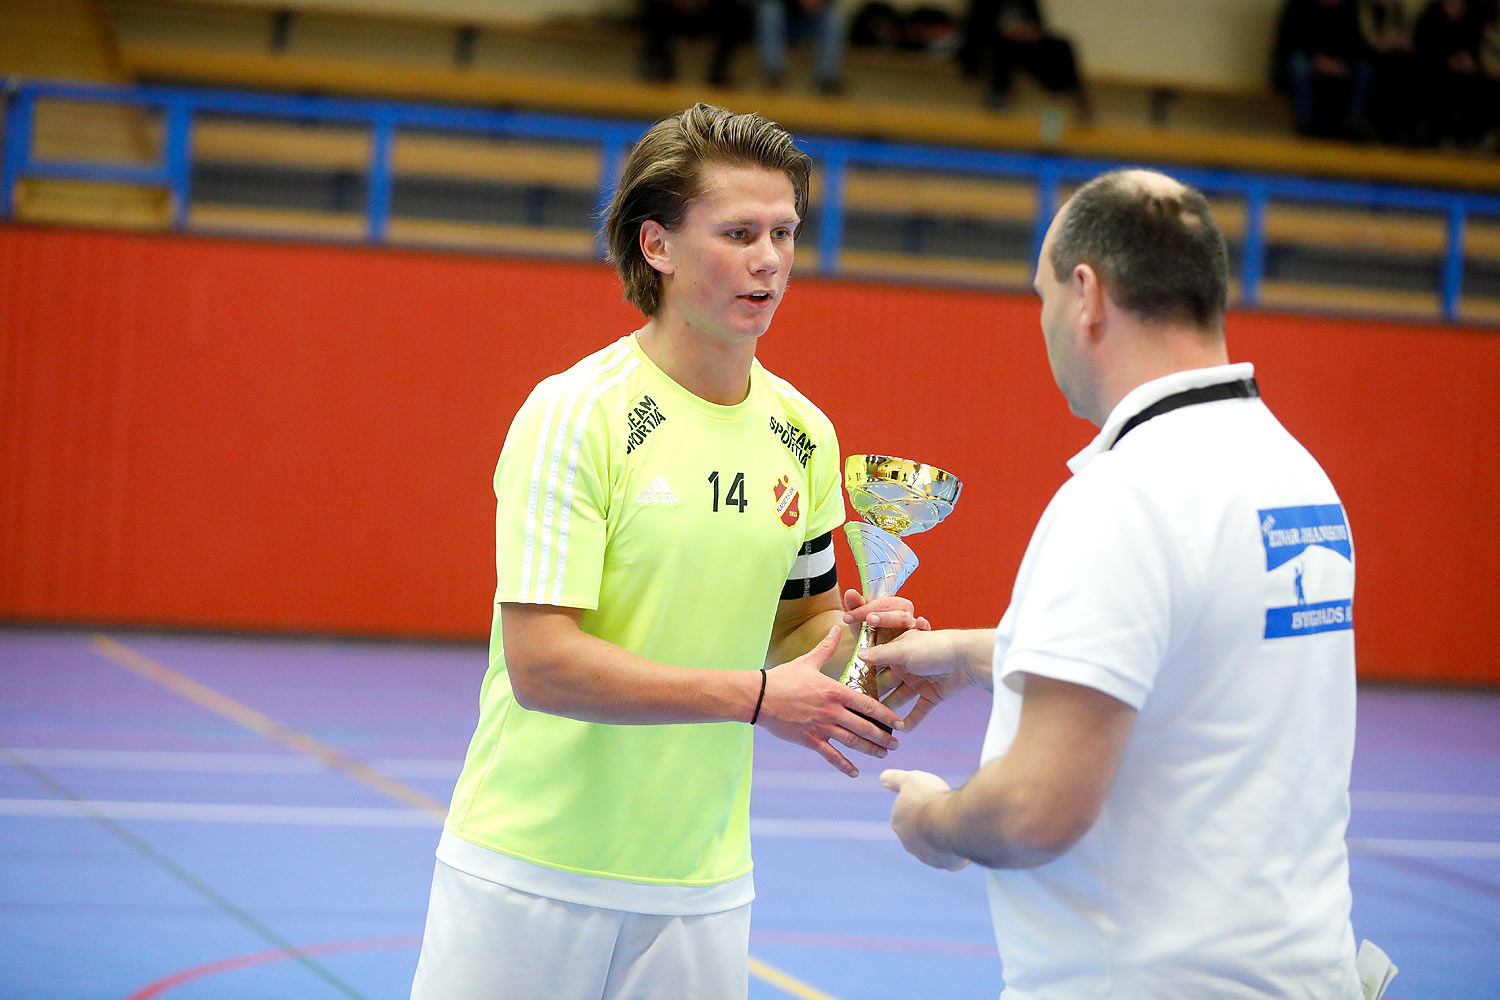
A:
x: 861, y: 942
x: 224, y: 965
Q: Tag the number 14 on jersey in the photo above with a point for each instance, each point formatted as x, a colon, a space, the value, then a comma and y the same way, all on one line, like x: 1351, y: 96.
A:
x: 735, y: 498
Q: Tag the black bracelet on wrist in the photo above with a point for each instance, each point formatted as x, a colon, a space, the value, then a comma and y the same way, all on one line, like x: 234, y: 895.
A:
x: 756, y: 714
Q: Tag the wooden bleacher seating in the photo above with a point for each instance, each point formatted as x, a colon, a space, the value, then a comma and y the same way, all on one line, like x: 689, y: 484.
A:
x: 72, y: 39
x: 590, y: 70
x: 886, y: 192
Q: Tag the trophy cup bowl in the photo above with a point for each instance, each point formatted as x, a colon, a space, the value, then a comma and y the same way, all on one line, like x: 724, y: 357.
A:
x: 897, y: 497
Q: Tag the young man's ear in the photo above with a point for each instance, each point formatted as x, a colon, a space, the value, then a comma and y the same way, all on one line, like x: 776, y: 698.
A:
x: 654, y: 247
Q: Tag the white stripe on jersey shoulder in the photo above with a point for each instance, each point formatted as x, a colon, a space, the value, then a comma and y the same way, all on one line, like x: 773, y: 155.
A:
x: 555, y: 386
x: 580, y: 425
x: 564, y: 390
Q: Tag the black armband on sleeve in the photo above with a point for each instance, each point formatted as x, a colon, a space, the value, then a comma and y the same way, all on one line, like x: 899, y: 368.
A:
x: 814, y: 571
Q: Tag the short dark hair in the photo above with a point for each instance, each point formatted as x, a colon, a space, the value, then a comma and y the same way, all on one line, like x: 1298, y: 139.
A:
x: 1160, y: 255
x: 664, y: 173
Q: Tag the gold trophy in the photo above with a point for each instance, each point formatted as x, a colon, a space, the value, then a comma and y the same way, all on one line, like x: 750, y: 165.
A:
x: 897, y: 497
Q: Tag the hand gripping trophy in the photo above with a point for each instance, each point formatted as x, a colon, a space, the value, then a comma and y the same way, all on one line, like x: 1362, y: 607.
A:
x: 898, y: 497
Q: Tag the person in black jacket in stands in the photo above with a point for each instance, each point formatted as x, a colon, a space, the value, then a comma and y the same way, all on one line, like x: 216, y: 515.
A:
x: 1321, y: 62
x: 1393, y: 100
x: 1002, y: 36
x: 1450, y: 82
x: 1489, y: 66
x: 726, y: 22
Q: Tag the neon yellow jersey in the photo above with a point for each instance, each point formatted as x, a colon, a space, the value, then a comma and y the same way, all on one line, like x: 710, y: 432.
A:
x: 674, y: 522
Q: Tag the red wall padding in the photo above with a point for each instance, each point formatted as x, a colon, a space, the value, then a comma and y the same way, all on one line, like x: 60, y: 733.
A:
x: 218, y: 434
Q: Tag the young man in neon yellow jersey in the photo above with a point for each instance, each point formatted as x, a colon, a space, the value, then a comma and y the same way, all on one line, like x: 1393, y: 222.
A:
x: 663, y: 536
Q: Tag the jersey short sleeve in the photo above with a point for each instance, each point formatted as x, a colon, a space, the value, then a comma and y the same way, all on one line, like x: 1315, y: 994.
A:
x: 815, y: 570
x: 552, y: 492
x: 825, y: 479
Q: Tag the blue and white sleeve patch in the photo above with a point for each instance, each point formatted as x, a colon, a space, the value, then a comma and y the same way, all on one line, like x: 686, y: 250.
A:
x: 1309, y: 570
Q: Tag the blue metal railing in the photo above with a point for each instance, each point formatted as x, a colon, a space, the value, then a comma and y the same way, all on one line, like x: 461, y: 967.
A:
x: 179, y: 108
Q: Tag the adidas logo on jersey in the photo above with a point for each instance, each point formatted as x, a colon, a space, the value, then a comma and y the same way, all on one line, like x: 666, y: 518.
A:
x: 657, y: 492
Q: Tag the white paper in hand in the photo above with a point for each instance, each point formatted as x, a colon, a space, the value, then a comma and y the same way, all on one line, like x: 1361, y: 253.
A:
x: 1375, y: 968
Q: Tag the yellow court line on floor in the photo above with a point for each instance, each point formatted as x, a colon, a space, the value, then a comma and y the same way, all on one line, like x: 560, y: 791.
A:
x: 787, y: 984
x: 264, y: 725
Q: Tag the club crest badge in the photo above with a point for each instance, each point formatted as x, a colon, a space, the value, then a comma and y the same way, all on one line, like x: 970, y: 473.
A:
x: 786, y: 501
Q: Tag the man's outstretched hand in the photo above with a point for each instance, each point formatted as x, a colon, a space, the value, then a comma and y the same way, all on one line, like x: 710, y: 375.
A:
x: 805, y: 706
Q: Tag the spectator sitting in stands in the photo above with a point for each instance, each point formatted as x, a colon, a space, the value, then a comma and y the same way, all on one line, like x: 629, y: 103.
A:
x: 1452, y: 87
x: 1386, y: 30
x: 1320, y: 62
x: 662, y: 21
x: 1489, y: 67
x: 920, y: 29
x: 778, y: 21
x: 1006, y: 35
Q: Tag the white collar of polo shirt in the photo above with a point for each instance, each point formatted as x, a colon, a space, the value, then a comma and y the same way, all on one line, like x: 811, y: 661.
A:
x: 1147, y: 393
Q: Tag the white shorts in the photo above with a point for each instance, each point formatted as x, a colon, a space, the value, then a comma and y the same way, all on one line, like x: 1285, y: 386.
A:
x: 485, y: 941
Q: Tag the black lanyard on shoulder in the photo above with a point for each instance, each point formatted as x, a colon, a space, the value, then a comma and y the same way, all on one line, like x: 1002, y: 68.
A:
x: 1244, y: 388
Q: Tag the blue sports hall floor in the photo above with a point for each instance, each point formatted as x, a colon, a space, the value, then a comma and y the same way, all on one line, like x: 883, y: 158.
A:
x: 194, y: 816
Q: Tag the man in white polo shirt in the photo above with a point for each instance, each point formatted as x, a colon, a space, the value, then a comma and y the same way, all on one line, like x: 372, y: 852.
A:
x: 1164, y: 789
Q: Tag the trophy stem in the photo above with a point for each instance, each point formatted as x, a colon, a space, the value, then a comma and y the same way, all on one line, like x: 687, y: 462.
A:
x: 860, y: 675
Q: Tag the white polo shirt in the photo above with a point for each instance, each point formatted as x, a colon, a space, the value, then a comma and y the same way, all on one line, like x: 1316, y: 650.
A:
x: 1202, y: 572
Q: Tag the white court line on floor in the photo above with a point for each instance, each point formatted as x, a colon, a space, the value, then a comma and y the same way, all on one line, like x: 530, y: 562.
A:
x: 788, y: 779
x: 1424, y: 802
x: 222, y: 763
x: 374, y: 816
x: 171, y: 760
x: 218, y: 812
x: 1396, y: 847
x: 233, y: 812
